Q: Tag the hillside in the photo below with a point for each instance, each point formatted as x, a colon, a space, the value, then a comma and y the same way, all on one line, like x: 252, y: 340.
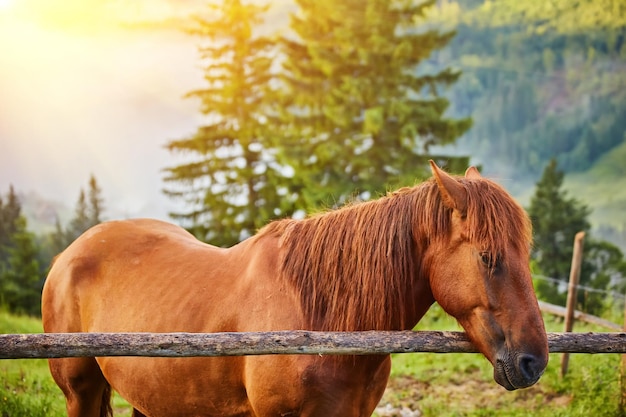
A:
x: 603, y: 189
x: 543, y: 80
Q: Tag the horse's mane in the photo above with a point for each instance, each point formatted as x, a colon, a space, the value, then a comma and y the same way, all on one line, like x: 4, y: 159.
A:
x: 355, y: 268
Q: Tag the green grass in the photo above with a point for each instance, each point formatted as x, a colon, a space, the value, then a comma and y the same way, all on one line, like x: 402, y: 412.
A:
x: 446, y: 385
x: 26, y: 387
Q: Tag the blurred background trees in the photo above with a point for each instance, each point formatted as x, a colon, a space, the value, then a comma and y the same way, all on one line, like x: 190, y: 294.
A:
x: 335, y: 101
x: 336, y: 109
x: 25, y: 257
x: 556, y: 219
x: 20, y: 272
x: 544, y: 79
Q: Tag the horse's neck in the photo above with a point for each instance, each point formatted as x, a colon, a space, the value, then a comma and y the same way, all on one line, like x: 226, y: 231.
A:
x: 420, y: 297
x: 361, y: 267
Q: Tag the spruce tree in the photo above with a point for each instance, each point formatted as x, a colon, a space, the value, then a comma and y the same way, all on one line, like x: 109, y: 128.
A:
x: 96, y: 202
x: 81, y: 220
x: 556, y: 219
x: 20, y: 276
x: 58, y: 240
x: 10, y: 211
x: 229, y: 182
x: 87, y: 213
x: 359, y: 114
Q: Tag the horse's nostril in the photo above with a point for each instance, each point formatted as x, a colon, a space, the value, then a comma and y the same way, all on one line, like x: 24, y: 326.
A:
x: 530, y: 367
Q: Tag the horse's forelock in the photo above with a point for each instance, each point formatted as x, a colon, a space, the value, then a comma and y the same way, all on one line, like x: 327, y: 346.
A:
x: 495, y: 219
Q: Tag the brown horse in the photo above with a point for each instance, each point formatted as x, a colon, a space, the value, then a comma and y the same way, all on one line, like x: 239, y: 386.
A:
x: 378, y: 265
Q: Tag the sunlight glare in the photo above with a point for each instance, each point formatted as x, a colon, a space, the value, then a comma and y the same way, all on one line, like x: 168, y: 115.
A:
x: 5, y: 4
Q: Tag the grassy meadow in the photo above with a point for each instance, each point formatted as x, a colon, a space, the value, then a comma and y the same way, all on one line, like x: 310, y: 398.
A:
x: 26, y: 387
x: 446, y: 385
x: 454, y: 385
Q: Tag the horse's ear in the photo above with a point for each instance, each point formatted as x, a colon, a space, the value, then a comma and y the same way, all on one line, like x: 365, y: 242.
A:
x: 453, y: 193
x: 472, y: 173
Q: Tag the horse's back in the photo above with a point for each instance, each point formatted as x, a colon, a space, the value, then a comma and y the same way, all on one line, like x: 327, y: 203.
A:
x: 120, y: 267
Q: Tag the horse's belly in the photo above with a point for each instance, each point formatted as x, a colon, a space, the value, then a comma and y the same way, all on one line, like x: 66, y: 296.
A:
x: 291, y: 385
x: 315, y: 386
x: 180, y: 386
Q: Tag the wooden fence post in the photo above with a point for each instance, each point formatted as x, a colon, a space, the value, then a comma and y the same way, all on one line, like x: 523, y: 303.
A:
x: 623, y: 374
x: 574, y: 276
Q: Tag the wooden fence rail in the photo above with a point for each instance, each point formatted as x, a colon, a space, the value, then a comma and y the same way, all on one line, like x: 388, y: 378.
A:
x: 58, y: 345
x: 579, y: 316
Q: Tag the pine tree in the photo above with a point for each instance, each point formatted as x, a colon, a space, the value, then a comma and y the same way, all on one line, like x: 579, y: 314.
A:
x: 58, y: 239
x: 87, y: 213
x: 10, y: 211
x: 229, y: 184
x: 20, y: 276
x: 359, y: 115
x: 556, y: 219
x: 96, y: 202
x: 81, y: 220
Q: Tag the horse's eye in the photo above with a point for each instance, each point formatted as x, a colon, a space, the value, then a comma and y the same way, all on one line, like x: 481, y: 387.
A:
x: 488, y: 260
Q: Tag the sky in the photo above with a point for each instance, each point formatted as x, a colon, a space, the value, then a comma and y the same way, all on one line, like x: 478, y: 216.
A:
x: 84, y: 91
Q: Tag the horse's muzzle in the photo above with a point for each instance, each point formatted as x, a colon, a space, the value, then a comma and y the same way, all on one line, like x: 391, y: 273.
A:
x: 518, y: 371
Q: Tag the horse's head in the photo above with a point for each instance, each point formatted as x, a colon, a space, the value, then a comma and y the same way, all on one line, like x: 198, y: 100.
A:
x: 479, y: 273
